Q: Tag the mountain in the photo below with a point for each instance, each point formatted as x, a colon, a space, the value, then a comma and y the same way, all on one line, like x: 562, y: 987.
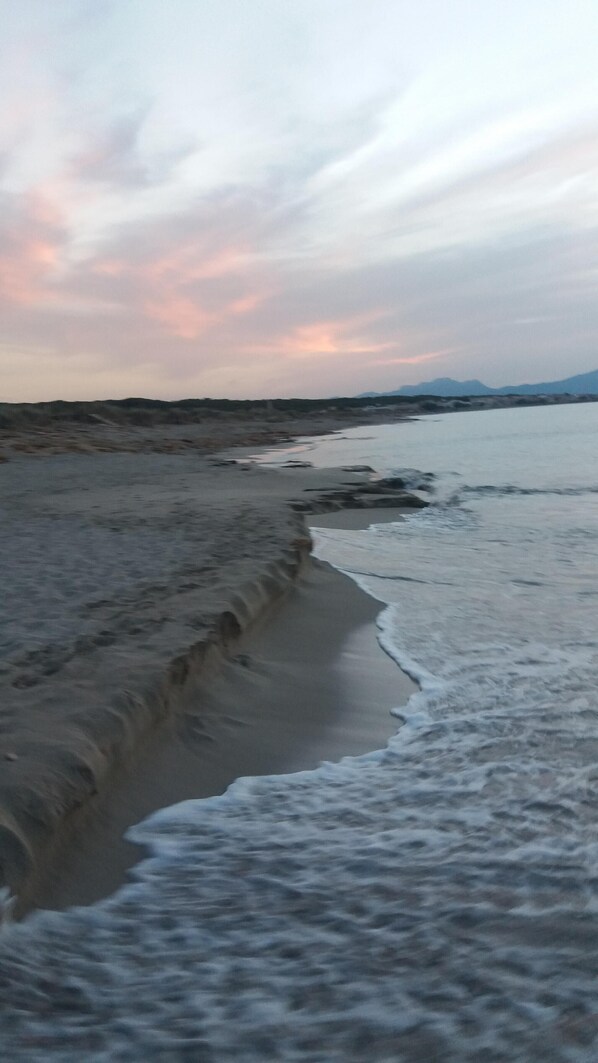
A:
x: 583, y: 384
x: 444, y: 385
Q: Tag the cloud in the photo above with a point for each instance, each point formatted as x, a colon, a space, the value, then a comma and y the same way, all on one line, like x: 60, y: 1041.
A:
x: 348, y: 254
x: 32, y: 238
x: 115, y: 155
x: 416, y: 359
x: 182, y: 317
x: 207, y: 301
x: 393, y: 197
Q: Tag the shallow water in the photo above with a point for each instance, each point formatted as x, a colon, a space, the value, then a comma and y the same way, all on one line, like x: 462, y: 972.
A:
x: 433, y: 901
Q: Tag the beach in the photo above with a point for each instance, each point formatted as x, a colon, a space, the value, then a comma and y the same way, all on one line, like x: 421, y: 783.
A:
x: 165, y: 632
x: 430, y: 896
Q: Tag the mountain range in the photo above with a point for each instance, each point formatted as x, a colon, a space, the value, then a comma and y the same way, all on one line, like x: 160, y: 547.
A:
x: 583, y: 384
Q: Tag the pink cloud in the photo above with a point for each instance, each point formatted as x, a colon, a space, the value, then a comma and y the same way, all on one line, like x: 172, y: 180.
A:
x: 415, y: 359
x: 184, y: 283
x: 190, y: 262
x: 217, y: 300
x: 246, y: 303
x: 348, y: 335
x: 180, y: 316
x: 175, y: 287
x: 32, y: 239
x: 110, y: 267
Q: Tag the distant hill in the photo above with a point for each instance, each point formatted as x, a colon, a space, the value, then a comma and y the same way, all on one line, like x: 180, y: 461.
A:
x: 583, y: 384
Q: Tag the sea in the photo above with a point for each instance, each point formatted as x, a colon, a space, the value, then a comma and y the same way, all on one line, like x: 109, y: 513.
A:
x: 436, y: 900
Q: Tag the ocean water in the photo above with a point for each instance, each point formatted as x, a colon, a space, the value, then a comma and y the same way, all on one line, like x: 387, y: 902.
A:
x: 433, y: 901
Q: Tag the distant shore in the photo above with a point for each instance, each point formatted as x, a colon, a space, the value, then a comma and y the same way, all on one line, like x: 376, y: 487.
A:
x: 206, y: 426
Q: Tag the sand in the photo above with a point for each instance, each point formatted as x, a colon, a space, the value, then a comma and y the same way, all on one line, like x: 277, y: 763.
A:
x: 129, y: 581
x: 309, y: 683
x: 357, y: 519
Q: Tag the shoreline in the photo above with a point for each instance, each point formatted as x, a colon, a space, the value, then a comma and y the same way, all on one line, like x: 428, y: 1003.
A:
x: 351, y: 911
x: 79, y: 709
x: 207, y: 426
x: 309, y: 683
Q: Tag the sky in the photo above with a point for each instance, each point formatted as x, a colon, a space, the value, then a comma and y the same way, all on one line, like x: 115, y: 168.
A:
x: 261, y: 198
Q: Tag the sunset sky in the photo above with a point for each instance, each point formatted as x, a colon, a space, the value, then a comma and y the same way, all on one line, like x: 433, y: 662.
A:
x: 250, y: 198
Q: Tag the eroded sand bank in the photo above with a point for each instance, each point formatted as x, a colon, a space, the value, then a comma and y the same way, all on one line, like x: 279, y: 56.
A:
x: 308, y: 683
x: 128, y: 580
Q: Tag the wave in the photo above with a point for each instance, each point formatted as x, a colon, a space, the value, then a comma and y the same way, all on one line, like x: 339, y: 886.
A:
x: 485, y: 490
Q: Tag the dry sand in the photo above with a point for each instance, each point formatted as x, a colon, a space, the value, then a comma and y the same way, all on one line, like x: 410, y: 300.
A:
x: 128, y: 580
